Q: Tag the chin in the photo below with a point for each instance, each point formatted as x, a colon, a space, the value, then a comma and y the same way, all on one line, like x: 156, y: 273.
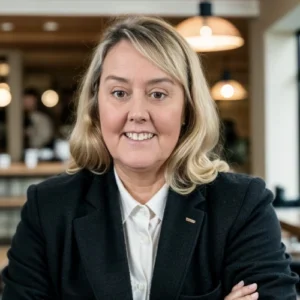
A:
x: 139, y: 164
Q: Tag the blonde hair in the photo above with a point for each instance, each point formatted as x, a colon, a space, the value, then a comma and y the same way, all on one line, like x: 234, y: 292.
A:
x: 193, y: 160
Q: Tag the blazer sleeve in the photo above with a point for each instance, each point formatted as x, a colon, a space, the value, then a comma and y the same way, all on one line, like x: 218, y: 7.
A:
x: 254, y: 252
x: 26, y: 277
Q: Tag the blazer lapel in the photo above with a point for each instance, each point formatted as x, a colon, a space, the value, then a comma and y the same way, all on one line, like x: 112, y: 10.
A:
x: 101, y: 242
x: 179, y: 233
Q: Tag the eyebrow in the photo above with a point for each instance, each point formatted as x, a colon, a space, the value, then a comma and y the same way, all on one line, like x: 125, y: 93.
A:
x: 149, y: 82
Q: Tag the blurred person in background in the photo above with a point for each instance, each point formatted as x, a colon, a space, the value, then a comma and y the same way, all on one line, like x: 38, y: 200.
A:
x: 235, y: 147
x: 38, y: 126
x: 146, y: 210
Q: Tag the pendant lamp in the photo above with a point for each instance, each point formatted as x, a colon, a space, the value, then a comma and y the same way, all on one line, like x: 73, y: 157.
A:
x: 50, y: 98
x: 228, y: 89
x: 206, y: 33
x: 5, y: 95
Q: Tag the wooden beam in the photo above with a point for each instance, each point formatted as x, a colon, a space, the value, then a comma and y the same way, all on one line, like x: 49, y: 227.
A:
x: 31, y: 38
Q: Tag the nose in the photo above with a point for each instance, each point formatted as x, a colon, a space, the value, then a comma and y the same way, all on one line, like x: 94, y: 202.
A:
x: 138, y: 110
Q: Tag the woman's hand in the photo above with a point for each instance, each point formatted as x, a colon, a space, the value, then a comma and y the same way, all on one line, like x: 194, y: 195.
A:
x: 241, y: 292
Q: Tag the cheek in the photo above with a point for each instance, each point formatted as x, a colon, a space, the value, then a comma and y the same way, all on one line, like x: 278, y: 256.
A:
x: 110, y: 119
x: 169, y: 123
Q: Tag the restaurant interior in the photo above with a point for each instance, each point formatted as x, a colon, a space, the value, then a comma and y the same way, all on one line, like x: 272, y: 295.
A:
x: 253, y: 72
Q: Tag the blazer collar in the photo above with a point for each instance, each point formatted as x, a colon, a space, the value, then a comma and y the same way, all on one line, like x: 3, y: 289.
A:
x: 101, y: 243
x: 100, y: 239
x: 99, y: 187
x: 182, y: 223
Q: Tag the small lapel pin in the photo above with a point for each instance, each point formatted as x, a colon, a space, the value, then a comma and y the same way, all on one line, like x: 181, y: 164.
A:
x: 190, y: 220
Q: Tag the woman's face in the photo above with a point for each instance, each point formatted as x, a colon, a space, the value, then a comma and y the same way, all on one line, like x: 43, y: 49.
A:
x: 140, y: 107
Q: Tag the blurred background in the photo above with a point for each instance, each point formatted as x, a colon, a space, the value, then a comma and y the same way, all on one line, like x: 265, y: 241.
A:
x: 250, y: 52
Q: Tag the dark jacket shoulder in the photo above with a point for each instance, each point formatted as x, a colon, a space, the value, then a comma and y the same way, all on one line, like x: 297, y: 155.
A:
x: 61, y: 193
x: 234, y: 188
x: 64, y: 180
x: 233, y: 199
x: 235, y: 181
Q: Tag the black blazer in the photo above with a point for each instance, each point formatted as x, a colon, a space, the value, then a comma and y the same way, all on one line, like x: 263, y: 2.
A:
x: 70, y: 244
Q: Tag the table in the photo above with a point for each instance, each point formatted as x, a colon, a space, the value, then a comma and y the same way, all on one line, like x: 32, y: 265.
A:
x: 14, y: 182
x: 41, y: 170
x: 3, y: 256
x: 289, y: 218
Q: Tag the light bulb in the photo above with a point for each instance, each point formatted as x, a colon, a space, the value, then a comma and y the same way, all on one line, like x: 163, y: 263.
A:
x: 205, y: 31
x: 50, y: 98
x: 227, y: 91
x: 5, y: 97
x: 4, y: 69
x: 7, y: 26
x: 50, y: 26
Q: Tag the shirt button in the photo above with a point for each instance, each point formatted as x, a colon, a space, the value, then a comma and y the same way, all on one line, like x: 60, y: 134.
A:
x: 141, y: 286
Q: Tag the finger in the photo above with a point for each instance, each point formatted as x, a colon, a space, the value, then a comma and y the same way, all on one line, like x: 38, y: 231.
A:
x: 254, y: 296
x: 238, y: 286
x: 244, y: 291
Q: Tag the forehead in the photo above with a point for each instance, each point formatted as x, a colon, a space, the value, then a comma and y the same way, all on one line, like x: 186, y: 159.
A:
x: 125, y: 60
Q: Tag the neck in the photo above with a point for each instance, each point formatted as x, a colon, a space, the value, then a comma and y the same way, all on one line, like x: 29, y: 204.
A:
x: 141, y: 185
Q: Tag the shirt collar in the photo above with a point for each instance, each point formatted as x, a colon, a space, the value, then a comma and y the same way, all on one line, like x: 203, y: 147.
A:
x: 157, y: 203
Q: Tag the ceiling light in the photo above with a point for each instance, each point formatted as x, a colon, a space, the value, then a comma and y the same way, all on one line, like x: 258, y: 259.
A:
x: 7, y: 26
x: 5, y: 97
x: 206, y: 33
x: 50, y: 26
x: 4, y: 69
x: 50, y: 98
x: 228, y: 89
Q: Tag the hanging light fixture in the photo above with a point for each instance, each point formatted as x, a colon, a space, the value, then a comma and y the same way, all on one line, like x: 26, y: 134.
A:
x: 228, y: 89
x: 4, y: 67
x: 50, y: 98
x: 5, y: 95
x: 206, y: 33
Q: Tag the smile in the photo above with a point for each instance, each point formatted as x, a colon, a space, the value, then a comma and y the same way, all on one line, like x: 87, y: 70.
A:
x: 139, y: 136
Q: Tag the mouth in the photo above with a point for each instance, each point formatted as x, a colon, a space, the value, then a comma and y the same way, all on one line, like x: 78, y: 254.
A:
x: 142, y: 136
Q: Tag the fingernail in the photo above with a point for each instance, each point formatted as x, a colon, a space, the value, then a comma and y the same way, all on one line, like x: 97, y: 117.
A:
x: 252, y: 286
x: 254, y: 296
x: 241, y: 283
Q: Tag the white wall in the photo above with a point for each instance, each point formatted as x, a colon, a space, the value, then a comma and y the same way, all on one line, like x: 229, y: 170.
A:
x: 274, y: 95
x: 281, y: 96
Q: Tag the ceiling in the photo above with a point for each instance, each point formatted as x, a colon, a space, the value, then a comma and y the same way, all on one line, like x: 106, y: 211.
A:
x: 225, y: 8
x: 65, y: 53
x: 76, y: 36
x: 68, y: 47
x: 28, y: 31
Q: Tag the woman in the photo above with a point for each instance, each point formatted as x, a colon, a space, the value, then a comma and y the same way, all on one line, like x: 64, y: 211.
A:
x: 147, y: 211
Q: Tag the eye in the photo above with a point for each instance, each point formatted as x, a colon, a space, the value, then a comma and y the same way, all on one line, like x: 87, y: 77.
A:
x: 119, y: 94
x: 158, y: 95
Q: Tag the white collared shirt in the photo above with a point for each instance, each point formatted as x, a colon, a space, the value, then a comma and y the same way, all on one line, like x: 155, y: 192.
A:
x: 142, y: 225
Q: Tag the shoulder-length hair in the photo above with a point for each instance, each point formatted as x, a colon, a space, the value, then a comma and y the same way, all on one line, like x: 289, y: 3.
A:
x: 193, y: 160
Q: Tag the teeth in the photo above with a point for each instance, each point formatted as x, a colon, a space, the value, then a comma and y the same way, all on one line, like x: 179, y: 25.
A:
x: 139, y: 136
